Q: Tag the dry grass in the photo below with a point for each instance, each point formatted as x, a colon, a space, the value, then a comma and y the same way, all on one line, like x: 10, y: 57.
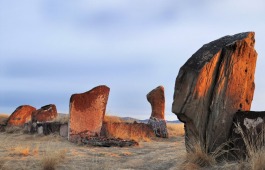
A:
x: 20, y: 151
x: 175, y: 129
x: 52, y: 158
x: 14, y: 129
x: 3, y: 118
x: 112, y: 119
x: 255, y: 148
x: 55, y: 152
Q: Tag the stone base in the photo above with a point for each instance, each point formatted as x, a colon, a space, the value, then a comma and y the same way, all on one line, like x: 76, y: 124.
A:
x: 159, y: 126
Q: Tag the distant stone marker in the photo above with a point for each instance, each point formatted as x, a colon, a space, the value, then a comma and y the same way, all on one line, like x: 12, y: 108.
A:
x: 216, y: 82
x: 157, y: 120
x: 156, y: 98
x: 21, y: 115
x: 87, y: 112
x: 45, y: 113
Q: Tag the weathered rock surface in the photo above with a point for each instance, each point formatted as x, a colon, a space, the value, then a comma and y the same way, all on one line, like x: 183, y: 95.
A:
x: 251, y: 124
x: 45, y: 113
x: 64, y: 130
x: 21, y: 115
x: 157, y: 100
x: 127, y: 130
x: 159, y: 127
x: 87, y: 112
x: 157, y: 120
x: 212, y: 85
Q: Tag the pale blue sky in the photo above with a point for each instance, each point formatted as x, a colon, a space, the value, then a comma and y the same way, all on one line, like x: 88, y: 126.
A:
x: 51, y: 49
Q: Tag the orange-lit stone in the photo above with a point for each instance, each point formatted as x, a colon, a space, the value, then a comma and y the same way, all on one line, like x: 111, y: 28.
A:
x: 157, y: 100
x: 87, y: 112
x: 21, y: 115
x: 212, y: 85
x: 45, y: 113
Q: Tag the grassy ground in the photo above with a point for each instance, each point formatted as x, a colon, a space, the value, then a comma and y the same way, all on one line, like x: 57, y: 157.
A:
x: 24, y: 151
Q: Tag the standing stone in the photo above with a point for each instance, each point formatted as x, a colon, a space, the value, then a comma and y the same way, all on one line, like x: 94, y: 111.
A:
x: 157, y: 100
x: 21, y: 115
x: 45, y: 113
x: 87, y: 112
x: 157, y: 120
x: 212, y: 85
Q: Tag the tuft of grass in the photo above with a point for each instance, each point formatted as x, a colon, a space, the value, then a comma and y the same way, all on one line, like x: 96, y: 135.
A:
x: 21, y: 151
x: 52, y: 158
x: 255, y: 147
x: 198, y: 156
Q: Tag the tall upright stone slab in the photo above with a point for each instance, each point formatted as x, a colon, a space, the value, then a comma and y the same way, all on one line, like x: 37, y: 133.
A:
x: 21, y: 115
x: 156, y: 98
x: 45, y: 113
x: 87, y: 112
x: 216, y: 82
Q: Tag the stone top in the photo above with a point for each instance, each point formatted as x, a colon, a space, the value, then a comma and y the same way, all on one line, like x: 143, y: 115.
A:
x: 207, y: 51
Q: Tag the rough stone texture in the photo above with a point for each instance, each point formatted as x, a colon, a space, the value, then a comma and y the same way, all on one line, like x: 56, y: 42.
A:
x: 21, y: 115
x: 64, y: 130
x: 212, y: 85
x: 159, y: 126
x: 87, y: 112
x: 157, y: 100
x: 127, y: 130
x: 252, y: 124
x: 45, y: 113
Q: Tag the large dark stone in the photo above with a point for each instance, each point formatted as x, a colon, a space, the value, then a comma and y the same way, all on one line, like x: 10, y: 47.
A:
x: 212, y: 85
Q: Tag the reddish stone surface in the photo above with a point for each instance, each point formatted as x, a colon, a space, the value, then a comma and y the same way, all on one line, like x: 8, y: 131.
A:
x: 45, y: 113
x: 87, y: 111
x: 157, y: 100
x: 21, y: 115
x: 125, y: 130
x: 212, y: 85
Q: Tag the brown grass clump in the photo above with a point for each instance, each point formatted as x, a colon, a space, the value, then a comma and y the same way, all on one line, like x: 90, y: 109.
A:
x: 198, y: 156
x: 175, y: 129
x: 112, y: 119
x: 255, y: 148
x: 51, y: 158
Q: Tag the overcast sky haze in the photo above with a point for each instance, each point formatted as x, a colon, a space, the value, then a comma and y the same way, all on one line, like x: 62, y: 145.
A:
x: 51, y: 49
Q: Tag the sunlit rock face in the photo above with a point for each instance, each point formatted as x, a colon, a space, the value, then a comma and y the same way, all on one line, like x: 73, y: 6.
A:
x: 21, y: 115
x: 87, y: 111
x: 212, y: 85
x: 156, y: 98
x: 45, y: 113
